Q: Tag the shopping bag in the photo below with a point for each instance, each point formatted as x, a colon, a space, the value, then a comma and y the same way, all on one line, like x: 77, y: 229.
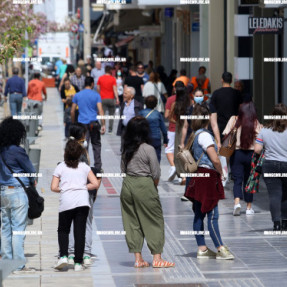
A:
x: 6, y: 109
x: 224, y: 168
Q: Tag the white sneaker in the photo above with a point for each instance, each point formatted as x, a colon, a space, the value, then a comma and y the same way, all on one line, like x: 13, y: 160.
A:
x: 172, y: 173
x: 87, y: 260
x: 71, y: 260
x: 237, y: 208
x: 63, y: 262
x: 249, y: 211
x: 183, y: 198
x: 79, y: 267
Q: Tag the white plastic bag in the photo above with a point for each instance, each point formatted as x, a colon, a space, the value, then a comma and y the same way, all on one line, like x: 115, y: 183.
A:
x: 224, y: 168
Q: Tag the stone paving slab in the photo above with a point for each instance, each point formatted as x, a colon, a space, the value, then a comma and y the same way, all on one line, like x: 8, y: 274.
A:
x: 261, y: 260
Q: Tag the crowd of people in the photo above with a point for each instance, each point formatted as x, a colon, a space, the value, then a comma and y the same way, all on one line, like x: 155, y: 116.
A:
x: 154, y: 111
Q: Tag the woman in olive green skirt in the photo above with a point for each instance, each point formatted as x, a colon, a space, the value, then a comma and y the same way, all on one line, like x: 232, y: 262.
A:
x: 140, y: 203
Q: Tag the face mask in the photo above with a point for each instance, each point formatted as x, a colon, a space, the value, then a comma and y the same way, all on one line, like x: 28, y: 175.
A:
x: 119, y: 73
x: 85, y: 144
x: 198, y: 100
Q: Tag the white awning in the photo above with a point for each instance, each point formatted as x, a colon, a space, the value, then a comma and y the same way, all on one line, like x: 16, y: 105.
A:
x: 159, y: 3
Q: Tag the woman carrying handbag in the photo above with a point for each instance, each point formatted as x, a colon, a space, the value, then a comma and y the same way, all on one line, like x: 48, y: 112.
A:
x: 14, y: 200
x: 247, y: 128
x: 205, y: 192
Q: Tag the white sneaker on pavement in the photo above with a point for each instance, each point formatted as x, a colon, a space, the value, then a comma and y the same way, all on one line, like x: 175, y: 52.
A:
x: 79, y: 267
x: 172, y: 173
x: 183, y: 198
x: 249, y: 211
x: 63, y: 262
x: 71, y: 260
x: 87, y: 260
x: 237, y: 208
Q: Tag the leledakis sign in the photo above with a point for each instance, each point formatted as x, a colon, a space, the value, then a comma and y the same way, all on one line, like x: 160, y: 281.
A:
x: 263, y: 25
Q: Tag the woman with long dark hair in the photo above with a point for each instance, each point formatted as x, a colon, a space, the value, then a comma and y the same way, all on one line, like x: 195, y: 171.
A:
x: 78, y: 132
x: 248, y: 128
x: 14, y: 200
x: 273, y: 138
x: 140, y: 203
x: 205, y: 192
x: 181, y: 107
x: 70, y: 180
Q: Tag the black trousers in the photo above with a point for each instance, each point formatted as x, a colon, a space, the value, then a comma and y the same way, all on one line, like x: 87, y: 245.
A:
x: 94, y: 133
x: 122, y: 137
x: 78, y: 216
x: 240, y: 163
x: 277, y: 188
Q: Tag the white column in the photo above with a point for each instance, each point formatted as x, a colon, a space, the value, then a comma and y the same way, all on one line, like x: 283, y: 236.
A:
x: 87, y: 25
x: 203, y: 35
x: 231, y: 6
x: 216, y: 42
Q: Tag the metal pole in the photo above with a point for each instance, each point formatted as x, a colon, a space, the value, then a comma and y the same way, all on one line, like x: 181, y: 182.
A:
x: 284, y: 95
x: 87, y: 25
x: 26, y: 55
x: 225, y: 36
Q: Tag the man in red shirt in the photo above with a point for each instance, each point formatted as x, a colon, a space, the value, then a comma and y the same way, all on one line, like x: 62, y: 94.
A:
x: 107, y: 88
x: 35, y: 98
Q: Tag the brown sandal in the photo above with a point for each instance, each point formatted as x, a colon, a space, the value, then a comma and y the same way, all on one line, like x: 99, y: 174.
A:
x: 162, y: 264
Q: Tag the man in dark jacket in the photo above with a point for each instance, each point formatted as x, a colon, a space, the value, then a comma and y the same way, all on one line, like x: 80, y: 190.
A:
x: 15, y: 87
x: 129, y: 109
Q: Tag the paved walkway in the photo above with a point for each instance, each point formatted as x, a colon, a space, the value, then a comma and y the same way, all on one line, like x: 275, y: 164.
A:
x: 261, y: 260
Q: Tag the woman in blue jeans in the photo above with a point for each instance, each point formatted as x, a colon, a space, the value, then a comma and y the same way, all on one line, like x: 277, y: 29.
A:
x: 156, y: 124
x: 248, y: 128
x: 14, y: 201
x: 205, y: 192
x: 273, y: 138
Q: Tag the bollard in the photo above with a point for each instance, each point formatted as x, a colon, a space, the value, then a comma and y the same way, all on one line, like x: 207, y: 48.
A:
x: 34, y: 155
x: 32, y: 128
x: 26, y: 145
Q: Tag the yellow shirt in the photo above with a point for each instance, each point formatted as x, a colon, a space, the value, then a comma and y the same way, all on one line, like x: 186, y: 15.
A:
x: 70, y: 93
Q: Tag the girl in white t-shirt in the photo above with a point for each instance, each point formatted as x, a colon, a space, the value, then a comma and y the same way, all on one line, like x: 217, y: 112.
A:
x: 70, y: 180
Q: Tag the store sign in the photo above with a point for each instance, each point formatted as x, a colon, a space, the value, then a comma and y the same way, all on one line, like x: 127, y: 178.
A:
x: 249, y: 2
x: 195, y: 27
x: 264, y: 25
x: 168, y: 12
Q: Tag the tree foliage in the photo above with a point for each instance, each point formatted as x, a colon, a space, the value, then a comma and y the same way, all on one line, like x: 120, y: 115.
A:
x: 15, y: 19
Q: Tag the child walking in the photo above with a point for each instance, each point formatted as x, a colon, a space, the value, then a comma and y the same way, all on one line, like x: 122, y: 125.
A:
x: 70, y: 180
x: 78, y: 132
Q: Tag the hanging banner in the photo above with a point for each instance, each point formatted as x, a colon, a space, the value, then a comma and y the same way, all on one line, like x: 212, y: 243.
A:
x: 265, y: 25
